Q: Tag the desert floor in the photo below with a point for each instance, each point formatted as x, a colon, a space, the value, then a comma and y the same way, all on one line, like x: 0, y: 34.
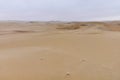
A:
x: 59, y: 51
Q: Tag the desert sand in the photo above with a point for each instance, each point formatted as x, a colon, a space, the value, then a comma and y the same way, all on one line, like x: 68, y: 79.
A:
x: 59, y: 50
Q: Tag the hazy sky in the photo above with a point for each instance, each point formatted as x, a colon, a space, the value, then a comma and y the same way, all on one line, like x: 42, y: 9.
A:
x: 67, y: 10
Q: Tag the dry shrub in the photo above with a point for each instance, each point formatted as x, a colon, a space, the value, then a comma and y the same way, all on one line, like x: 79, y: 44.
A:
x: 68, y: 26
x: 112, y: 27
x: 83, y: 25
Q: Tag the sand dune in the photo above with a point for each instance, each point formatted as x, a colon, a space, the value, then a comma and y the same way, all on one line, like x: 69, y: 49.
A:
x: 59, y: 51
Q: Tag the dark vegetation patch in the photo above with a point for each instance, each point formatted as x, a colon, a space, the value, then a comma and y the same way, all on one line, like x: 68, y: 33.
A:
x: 68, y: 26
x: 22, y: 31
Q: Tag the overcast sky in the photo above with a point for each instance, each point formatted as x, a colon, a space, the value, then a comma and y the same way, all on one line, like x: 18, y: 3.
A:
x: 60, y: 10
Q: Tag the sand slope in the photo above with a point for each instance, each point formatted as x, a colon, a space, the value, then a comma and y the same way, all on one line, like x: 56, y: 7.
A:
x: 46, y: 51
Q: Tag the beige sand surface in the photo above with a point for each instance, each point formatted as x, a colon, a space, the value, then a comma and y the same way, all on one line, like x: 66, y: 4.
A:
x: 59, y: 51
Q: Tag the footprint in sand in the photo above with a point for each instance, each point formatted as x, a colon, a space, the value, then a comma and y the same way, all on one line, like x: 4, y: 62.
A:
x: 83, y: 60
x: 68, y: 76
x: 41, y: 59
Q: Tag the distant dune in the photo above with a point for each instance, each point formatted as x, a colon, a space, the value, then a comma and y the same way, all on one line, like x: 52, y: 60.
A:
x: 60, y: 50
